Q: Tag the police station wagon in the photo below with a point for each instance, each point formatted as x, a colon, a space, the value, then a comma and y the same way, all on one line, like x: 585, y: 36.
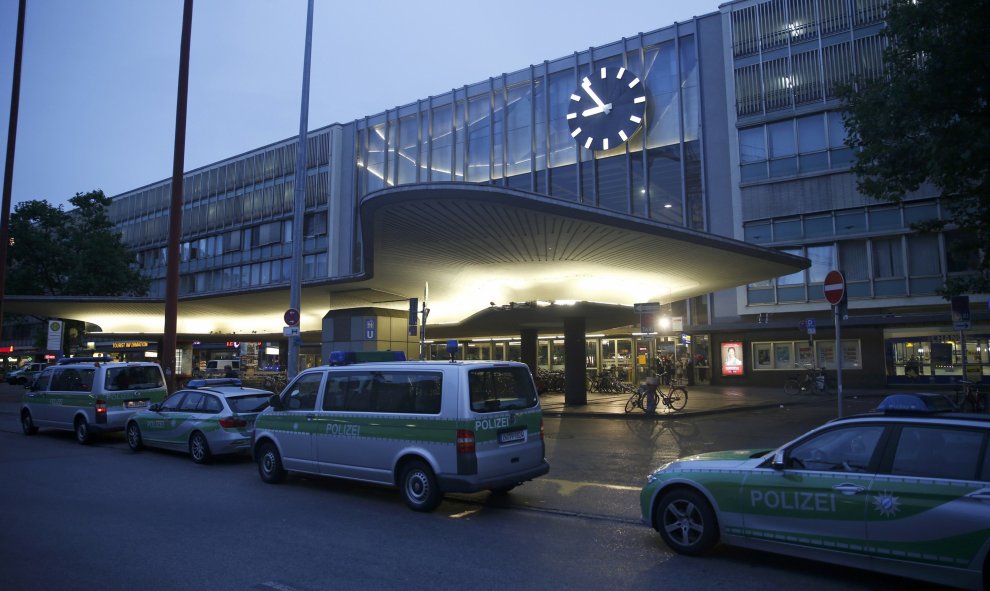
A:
x: 428, y: 428
x: 900, y: 492
x: 88, y: 395
x: 207, y: 418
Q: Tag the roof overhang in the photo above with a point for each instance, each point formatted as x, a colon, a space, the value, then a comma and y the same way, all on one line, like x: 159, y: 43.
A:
x: 479, y: 248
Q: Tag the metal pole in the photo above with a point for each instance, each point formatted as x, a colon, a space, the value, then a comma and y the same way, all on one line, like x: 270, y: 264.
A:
x: 299, y: 204
x: 175, y: 208
x: 8, y: 169
x: 838, y: 356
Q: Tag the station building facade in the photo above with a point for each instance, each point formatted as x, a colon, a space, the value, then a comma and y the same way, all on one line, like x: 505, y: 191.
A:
x: 742, y: 137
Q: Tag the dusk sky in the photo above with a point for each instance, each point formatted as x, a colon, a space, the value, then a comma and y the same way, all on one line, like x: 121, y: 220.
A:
x: 98, y: 81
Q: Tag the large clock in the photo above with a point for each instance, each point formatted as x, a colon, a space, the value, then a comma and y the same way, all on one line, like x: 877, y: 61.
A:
x: 607, y: 108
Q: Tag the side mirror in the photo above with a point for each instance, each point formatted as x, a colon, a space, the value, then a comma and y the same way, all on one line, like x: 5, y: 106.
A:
x: 779, y: 461
x: 276, y: 402
x: 155, y: 407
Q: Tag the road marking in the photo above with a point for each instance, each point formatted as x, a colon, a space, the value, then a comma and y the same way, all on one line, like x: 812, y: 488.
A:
x: 568, y: 487
x: 463, y: 514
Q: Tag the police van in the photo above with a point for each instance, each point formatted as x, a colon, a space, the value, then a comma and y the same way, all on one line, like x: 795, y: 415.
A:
x: 426, y: 427
x: 88, y: 395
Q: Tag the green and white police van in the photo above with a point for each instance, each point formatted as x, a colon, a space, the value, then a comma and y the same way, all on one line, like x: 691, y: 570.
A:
x: 89, y: 395
x: 427, y: 427
x: 904, y: 491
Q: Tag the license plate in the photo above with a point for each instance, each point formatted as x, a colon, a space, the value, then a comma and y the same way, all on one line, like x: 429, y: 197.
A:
x: 511, y: 436
x: 136, y: 404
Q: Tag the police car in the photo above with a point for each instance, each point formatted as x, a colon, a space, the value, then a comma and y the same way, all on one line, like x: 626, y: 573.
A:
x: 426, y: 427
x: 206, y: 418
x: 904, y: 490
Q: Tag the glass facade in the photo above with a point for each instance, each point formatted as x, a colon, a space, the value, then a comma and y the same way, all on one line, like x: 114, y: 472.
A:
x: 512, y: 131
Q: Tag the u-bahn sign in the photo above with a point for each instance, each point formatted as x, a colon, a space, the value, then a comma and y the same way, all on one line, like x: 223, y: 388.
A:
x: 835, y: 287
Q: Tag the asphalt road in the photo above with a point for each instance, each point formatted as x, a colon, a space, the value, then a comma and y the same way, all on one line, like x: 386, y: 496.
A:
x: 101, y: 516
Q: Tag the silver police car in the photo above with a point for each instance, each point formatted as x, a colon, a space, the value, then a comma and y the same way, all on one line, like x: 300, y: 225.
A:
x: 207, y: 418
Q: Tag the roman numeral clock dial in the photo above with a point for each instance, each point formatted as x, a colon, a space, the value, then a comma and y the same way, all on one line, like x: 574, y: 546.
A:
x: 607, y: 108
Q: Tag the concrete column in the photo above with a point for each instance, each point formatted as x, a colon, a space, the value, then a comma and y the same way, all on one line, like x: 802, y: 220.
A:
x: 575, y: 366
x: 527, y: 348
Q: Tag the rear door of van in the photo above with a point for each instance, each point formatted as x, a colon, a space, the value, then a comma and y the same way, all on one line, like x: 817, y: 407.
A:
x: 506, y: 419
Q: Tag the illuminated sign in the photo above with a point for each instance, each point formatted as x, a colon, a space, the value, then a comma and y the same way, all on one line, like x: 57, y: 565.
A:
x: 129, y: 344
x: 732, y: 359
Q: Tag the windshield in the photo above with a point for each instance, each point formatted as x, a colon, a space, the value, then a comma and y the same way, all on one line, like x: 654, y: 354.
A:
x: 495, y: 389
x: 252, y: 403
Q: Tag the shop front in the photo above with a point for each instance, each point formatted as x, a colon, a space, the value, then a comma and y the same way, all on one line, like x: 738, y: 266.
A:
x: 937, y: 356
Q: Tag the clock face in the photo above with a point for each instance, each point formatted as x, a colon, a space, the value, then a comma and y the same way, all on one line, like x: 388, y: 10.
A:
x: 607, y: 108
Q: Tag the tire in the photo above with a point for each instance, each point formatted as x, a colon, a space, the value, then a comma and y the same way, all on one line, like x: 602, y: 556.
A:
x: 199, y: 448
x: 82, y: 431
x: 27, y: 424
x: 792, y: 386
x: 678, y: 397
x: 633, y: 402
x: 686, y: 522
x: 270, y: 464
x: 134, y: 436
x: 419, y: 487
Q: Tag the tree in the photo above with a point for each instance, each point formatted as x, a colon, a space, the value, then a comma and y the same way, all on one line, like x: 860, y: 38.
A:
x: 54, y: 252
x: 926, y: 120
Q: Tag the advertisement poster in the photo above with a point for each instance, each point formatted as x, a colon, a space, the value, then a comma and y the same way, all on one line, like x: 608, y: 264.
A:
x: 783, y: 355
x: 762, y: 352
x: 732, y: 359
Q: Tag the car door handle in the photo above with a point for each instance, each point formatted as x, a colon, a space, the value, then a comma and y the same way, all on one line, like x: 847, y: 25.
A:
x: 848, y: 488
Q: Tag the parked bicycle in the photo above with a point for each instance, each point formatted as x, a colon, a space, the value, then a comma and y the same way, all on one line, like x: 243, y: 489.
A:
x: 812, y: 381
x: 650, y: 395
x: 968, y: 397
x: 607, y: 382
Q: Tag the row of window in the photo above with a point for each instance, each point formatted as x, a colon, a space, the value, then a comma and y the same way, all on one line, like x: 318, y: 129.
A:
x: 779, y: 23
x: 901, y: 265
x: 277, y: 232
x: 808, y: 77
x: 794, y: 146
x: 849, y: 222
x: 254, y: 275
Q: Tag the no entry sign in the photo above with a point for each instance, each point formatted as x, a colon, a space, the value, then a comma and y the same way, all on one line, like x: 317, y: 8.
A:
x: 835, y: 287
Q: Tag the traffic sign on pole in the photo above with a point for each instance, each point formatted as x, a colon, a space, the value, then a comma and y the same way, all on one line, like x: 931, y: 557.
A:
x: 291, y: 317
x: 835, y: 287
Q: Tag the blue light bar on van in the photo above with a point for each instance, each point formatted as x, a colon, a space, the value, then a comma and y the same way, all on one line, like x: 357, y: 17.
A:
x: 349, y: 357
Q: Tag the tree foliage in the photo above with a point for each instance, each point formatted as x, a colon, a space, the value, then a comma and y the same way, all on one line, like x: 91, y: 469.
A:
x: 926, y: 120
x: 54, y: 252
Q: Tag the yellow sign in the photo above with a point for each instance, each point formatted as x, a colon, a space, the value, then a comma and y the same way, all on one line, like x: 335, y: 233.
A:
x: 130, y: 345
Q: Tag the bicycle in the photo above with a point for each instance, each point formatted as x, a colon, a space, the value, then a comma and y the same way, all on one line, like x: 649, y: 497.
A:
x: 812, y: 380
x: 607, y: 382
x: 674, y: 398
x: 968, y: 397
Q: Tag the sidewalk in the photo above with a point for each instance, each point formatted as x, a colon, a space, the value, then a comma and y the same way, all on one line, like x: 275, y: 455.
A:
x: 710, y: 399
x: 701, y: 400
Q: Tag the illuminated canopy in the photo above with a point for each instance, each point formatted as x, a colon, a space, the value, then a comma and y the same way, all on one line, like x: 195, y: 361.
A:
x: 479, y: 247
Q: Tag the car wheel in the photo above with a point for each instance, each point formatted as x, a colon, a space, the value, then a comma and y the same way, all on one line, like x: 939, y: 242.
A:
x: 82, y: 431
x: 199, y: 448
x: 134, y: 436
x: 686, y: 522
x: 27, y: 424
x: 419, y: 487
x: 270, y: 464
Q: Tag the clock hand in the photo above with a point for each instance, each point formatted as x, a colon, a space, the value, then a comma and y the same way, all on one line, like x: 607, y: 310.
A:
x: 592, y: 111
x: 586, y: 85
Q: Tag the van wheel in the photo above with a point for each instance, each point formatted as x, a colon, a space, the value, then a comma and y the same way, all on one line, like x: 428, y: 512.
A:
x: 270, y: 464
x: 199, y: 448
x: 27, y: 424
x: 686, y: 522
x: 82, y: 431
x: 419, y: 487
x: 134, y: 436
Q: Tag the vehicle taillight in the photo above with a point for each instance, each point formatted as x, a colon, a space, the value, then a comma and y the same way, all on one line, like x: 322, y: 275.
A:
x: 465, y: 441
x: 232, y: 422
x: 101, y: 406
